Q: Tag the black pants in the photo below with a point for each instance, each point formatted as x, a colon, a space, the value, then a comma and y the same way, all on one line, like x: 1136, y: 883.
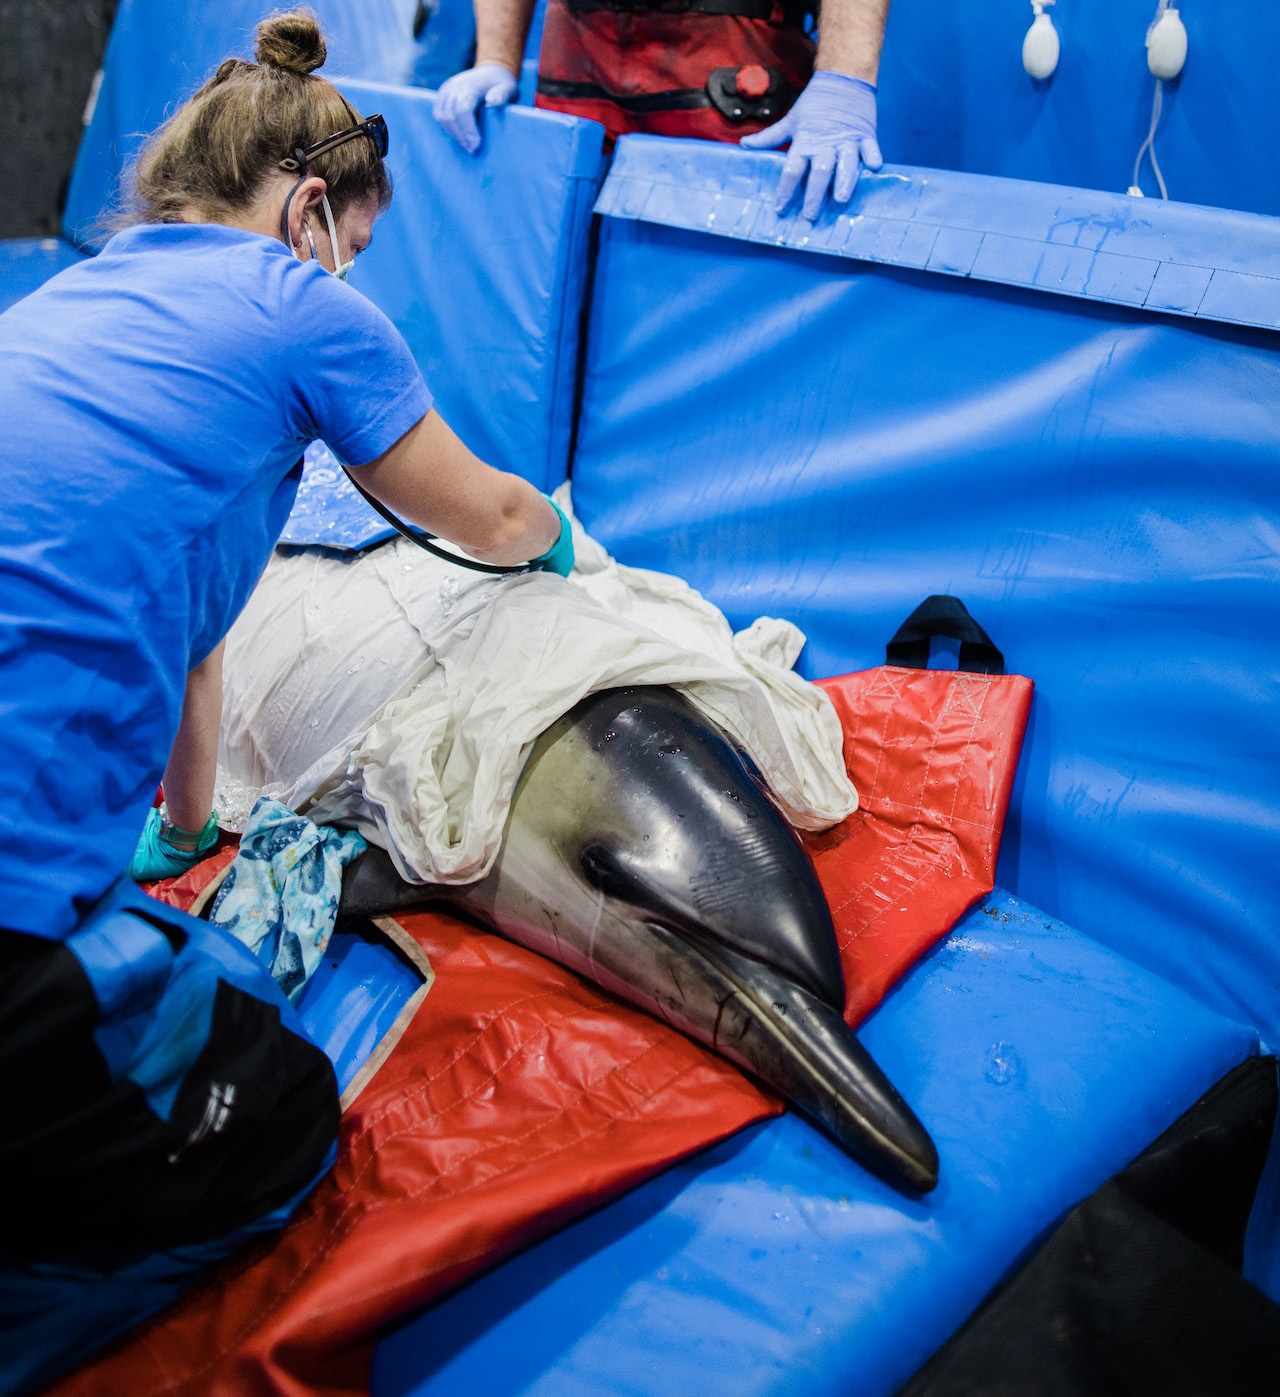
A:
x: 90, y: 1171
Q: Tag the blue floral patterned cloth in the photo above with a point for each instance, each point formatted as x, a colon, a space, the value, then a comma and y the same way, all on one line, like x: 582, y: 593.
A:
x: 280, y: 895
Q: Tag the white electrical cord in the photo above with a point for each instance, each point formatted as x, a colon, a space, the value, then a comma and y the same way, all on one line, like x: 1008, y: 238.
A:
x: 1166, y: 53
x: 1148, y: 146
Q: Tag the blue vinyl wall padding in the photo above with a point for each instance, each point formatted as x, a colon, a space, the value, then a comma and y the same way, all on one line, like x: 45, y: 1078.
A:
x: 952, y: 93
x: 27, y: 263
x: 1170, y: 257
x: 832, y: 440
x: 446, y: 46
x: 157, y: 56
x: 496, y: 335
x: 329, y: 511
x: 160, y: 51
x: 1041, y: 1063
x: 532, y: 53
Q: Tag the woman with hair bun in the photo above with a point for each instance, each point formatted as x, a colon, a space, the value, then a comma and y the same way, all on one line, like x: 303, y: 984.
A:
x: 161, y: 1100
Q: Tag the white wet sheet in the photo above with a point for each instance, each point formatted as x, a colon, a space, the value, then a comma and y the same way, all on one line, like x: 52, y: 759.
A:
x: 400, y: 694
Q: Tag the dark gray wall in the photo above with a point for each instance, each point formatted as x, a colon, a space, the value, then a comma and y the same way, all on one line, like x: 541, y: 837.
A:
x: 49, y: 52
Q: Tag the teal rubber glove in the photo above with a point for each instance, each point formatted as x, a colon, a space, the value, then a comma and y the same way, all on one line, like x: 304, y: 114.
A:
x: 155, y: 857
x: 559, y: 557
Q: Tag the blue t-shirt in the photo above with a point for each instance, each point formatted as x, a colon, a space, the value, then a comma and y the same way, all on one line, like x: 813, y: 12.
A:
x: 156, y: 402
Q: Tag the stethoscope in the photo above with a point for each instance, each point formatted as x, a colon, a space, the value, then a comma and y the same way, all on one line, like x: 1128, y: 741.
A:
x: 418, y: 536
x: 423, y: 540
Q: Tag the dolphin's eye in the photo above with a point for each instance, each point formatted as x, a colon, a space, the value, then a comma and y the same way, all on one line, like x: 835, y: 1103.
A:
x: 601, y: 869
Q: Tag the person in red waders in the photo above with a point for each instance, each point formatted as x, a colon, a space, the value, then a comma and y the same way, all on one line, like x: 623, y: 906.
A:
x: 723, y: 70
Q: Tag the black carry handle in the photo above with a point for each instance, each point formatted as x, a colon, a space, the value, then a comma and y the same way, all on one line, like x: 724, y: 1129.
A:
x: 947, y: 616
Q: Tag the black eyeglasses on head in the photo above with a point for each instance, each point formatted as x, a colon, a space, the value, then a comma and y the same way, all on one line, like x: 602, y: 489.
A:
x: 373, y: 127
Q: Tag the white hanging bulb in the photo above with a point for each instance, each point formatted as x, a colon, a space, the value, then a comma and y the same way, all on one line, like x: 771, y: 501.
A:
x: 1166, y: 44
x: 1040, y: 48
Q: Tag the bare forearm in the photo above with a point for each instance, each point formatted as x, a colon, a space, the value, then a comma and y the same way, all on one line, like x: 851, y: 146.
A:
x: 525, y: 526
x: 430, y: 478
x: 850, y: 36
x: 502, y: 29
x: 193, y: 761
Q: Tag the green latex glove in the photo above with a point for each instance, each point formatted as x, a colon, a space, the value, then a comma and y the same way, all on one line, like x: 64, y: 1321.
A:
x: 559, y: 557
x: 155, y: 857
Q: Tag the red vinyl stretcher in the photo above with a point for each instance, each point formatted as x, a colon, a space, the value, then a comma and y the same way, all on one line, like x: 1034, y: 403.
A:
x: 519, y: 1096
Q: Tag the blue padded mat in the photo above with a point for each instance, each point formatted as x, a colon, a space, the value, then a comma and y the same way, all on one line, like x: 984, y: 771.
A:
x: 1041, y: 1062
x: 353, y: 998
x: 830, y: 440
x: 496, y: 337
x: 532, y: 54
x: 27, y: 263
x: 328, y: 510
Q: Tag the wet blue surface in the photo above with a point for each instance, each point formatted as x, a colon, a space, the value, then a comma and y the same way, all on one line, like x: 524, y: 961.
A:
x: 1040, y: 1061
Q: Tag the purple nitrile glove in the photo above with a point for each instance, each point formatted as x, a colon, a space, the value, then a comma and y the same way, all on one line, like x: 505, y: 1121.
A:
x: 832, y: 130
x: 461, y: 95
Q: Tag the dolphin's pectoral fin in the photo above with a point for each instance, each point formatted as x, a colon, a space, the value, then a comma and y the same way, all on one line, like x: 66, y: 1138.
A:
x: 792, y: 933
x: 802, y: 1047
x: 371, y: 884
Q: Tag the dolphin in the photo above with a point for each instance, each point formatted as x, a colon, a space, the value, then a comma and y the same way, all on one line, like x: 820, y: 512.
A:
x: 643, y: 851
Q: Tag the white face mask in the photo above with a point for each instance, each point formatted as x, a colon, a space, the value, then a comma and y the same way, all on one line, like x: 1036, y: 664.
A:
x: 341, y: 272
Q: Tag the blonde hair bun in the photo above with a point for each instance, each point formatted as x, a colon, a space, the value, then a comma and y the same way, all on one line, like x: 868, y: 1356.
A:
x: 292, y: 41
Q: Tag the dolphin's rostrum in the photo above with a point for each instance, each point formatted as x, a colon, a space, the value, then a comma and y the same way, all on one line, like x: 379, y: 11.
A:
x: 642, y: 851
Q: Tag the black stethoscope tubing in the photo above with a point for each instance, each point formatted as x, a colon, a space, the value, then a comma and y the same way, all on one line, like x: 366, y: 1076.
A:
x: 423, y: 540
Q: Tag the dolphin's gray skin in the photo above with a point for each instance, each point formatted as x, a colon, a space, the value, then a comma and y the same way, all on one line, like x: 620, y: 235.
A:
x: 642, y: 852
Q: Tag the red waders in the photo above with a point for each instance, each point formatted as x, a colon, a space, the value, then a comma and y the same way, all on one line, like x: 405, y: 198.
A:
x: 716, y: 69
